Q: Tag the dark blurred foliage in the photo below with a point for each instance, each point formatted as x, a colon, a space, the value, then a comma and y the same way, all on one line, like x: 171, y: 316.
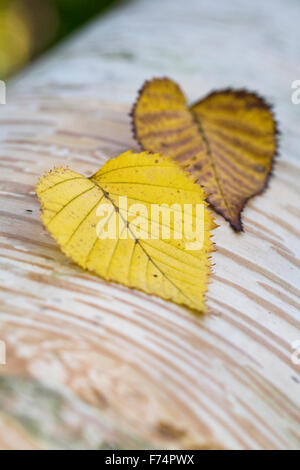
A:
x: 29, y: 27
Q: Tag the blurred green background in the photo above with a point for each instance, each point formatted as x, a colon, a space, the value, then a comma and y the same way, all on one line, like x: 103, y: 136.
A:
x: 29, y: 27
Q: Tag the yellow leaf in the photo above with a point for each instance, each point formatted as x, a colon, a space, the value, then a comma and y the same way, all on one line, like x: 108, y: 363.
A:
x: 226, y: 140
x: 168, y: 257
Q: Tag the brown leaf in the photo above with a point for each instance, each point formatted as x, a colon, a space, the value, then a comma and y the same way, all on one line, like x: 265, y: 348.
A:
x: 227, y: 140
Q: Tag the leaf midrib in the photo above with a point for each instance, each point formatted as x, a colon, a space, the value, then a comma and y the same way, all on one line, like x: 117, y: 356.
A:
x: 106, y: 195
x: 211, y: 158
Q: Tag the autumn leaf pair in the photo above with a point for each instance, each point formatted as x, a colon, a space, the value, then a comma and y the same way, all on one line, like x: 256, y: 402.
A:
x: 221, y: 150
